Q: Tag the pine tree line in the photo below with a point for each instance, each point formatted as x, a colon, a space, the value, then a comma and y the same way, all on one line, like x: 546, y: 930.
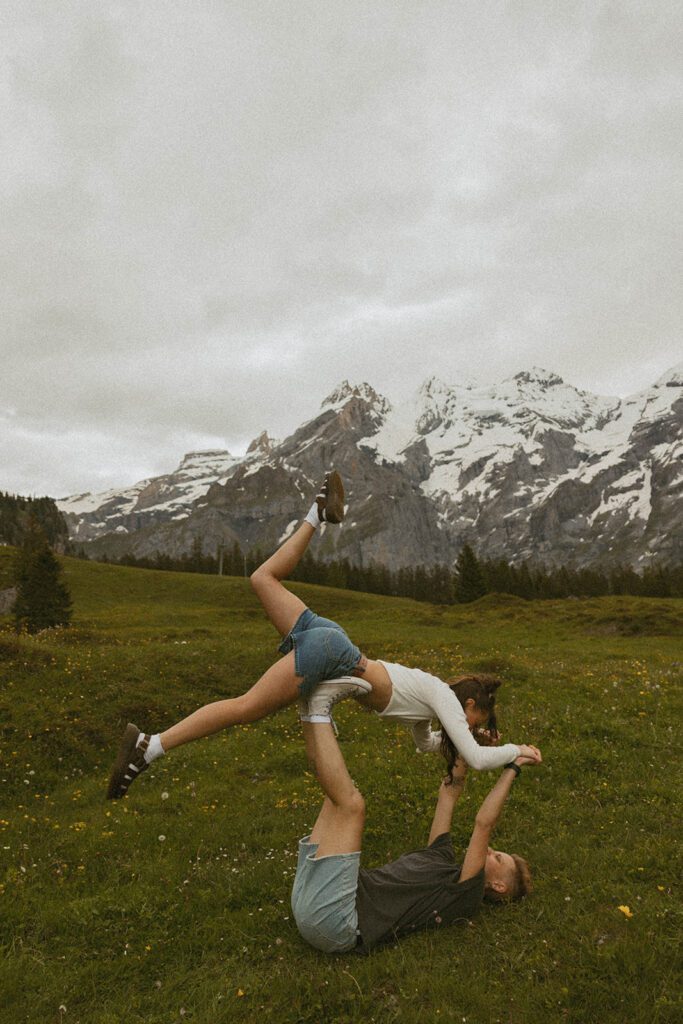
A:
x: 42, y: 597
x: 469, y: 579
x: 17, y: 514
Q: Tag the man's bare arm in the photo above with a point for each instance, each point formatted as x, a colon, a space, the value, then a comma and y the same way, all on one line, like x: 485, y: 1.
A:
x: 449, y: 794
x: 488, y: 816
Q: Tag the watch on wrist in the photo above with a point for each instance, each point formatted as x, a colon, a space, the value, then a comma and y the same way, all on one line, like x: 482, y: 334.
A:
x: 515, y: 767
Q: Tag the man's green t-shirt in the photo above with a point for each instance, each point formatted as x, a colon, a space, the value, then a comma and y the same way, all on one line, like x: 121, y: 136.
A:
x: 419, y: 890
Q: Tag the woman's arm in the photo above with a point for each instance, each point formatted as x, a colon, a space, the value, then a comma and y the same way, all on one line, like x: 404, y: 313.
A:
x: 426, y: 740
x: 448, y: 710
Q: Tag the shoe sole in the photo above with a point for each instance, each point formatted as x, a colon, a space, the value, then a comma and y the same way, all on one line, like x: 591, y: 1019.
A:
x: 126, y: 749
x: 334, y: 500
x: 360, y: 683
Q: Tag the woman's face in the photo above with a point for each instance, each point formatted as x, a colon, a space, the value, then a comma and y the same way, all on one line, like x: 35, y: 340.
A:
x: 476, y: 717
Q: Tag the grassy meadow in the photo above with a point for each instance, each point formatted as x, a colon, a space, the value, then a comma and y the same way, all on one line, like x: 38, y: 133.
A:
x: 173, y: 905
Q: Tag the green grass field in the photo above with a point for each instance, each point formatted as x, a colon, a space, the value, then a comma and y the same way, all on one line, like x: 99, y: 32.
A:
x: 173, y: 904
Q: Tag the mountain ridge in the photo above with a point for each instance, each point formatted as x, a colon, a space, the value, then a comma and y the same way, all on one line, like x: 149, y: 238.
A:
x: 530, y: 468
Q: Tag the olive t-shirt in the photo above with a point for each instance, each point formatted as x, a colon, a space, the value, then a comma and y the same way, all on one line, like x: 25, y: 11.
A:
x: 419, y: 890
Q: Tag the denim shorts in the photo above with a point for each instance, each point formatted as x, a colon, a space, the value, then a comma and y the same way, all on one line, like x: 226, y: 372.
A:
x: 322, y: 650
x: 324, y: 898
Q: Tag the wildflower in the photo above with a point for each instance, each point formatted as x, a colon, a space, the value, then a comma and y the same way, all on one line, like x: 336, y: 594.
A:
x: 162, y: 839
x: 239, y: 992
x: 626, y: 911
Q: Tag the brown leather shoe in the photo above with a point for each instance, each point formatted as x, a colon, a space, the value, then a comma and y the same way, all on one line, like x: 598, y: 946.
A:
x: 130, y: 762
x: 331, y: 499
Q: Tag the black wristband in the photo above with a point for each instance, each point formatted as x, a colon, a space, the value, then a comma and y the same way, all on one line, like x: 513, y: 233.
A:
x: 515, y: 767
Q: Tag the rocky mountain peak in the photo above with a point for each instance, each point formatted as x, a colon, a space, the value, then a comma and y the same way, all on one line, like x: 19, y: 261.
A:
x: 529, y: 467
x: 433, y: 389
x: 364, y: 392
x: 262, y: 445
x: 537, y: 375
x: 673, y: 378
x: 193, y: 459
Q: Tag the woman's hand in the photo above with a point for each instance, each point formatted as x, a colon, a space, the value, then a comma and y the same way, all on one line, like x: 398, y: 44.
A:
x: 528, y: 755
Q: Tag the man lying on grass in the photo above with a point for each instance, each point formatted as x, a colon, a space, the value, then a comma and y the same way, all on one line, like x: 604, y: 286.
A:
x: 339, y: 907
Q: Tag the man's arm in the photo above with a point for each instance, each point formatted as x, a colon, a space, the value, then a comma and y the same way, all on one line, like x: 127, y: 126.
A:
x: 487, y: 817
x: 449, y: 794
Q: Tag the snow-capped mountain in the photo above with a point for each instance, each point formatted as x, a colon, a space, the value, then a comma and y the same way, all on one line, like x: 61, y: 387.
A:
x: 161, y: 499
x: 529, y: 468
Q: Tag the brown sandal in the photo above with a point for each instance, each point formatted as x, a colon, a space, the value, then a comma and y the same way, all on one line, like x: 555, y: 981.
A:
x: 130, y: 762
x: 331, y: 499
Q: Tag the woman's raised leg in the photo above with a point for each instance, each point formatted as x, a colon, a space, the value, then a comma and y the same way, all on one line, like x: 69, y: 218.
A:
x: 282, y: 607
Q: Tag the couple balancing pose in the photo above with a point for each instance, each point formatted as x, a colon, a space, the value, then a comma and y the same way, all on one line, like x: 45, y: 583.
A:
x: 336, y: 905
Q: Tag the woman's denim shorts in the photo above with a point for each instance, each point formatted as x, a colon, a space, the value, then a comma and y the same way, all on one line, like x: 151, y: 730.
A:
x: 322, y: 650
x: 324, y: 898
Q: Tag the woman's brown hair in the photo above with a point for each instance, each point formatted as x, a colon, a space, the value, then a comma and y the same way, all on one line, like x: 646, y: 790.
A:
x: 481, y: 688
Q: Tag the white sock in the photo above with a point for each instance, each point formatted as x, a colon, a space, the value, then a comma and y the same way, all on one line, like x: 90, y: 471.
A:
x: 154, y: 749
x: 313, y: 518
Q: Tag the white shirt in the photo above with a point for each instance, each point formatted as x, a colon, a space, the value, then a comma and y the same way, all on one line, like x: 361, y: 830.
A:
x: 417, y: 697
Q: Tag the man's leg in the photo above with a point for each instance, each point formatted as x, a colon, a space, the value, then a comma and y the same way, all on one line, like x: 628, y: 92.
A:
x: 340, y: 823
x: 324, y: 892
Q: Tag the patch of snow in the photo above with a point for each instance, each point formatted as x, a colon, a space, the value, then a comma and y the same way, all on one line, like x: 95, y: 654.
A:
x: 289, y: 530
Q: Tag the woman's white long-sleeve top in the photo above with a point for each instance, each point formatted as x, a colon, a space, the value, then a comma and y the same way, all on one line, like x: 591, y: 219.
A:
x: 418, y: 697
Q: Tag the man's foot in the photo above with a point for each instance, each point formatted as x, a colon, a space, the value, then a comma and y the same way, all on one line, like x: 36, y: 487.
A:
x: 130, y: 762
x: 330, y: 501
x: 330, y: 692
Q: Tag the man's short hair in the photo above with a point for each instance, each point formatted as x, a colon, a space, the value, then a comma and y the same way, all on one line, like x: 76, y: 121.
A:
x: 520, y: 883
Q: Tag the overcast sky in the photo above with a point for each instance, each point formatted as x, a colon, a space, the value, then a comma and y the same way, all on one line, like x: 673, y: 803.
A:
x: 212, y: 212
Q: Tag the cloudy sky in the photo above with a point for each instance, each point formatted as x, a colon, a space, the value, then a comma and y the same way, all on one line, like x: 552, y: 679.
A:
x: 213, y: 212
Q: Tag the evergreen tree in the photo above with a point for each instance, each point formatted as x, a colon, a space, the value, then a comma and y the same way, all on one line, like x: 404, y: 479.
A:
x: 43, y: 599
x: 469, y: 579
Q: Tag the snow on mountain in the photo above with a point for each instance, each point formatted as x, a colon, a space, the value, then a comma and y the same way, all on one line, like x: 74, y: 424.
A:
x: 529, y: 467
x: 470, y: 431
x: 362, y: 392
x: 168, y: 497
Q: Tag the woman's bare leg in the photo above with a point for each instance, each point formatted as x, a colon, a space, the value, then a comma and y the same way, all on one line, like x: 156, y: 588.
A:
x: 275, y: 689
x: 282, y: 607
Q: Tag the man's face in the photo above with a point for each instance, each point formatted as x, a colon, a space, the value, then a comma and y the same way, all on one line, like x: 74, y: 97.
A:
x: 499, y: 870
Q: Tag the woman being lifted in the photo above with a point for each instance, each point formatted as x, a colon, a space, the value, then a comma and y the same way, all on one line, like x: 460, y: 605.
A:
x: 320, y: 666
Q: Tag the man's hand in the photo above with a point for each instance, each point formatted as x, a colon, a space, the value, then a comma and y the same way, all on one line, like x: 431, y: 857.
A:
x: 451, y: 790
x: 486, y: 737
x: 449, y: 794
x: 528, y: 755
